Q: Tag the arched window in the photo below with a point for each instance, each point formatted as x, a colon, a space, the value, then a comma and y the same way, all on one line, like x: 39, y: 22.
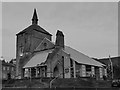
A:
x: 45, y: 45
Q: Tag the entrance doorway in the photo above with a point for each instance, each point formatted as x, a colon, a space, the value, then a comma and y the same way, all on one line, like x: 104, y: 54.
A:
x: 56, y: 71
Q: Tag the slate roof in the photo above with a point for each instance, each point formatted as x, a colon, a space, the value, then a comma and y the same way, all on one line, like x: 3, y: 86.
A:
x: 38, y: 58
x: 36, y: 28
x: 74, y: 54
x: 81, y: 58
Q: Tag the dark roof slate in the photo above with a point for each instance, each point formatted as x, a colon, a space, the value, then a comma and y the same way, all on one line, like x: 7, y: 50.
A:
x: 36, y: 28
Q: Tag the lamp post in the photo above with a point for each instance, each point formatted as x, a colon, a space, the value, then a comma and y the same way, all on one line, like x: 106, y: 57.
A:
x: 111, y: 65
x: 52, y: 81
x: 63, y: 65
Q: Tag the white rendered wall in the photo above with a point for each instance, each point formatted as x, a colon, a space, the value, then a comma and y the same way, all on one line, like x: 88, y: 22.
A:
x: 83, y: 71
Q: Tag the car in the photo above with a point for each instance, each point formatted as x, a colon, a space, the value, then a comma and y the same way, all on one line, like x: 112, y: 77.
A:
x: 116, y: 83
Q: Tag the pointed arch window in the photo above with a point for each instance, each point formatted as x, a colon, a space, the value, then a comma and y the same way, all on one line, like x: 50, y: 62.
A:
x: 45, y: 44
x: 21, y: 50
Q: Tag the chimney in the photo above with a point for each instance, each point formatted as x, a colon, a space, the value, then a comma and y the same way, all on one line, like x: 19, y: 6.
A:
x: 59, y: 39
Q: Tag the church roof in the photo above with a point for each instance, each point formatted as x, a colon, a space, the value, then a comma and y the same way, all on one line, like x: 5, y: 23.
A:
x: 38, y: 58
x: 81, y: 58
x: 77, y: 56
x: 34, y: 27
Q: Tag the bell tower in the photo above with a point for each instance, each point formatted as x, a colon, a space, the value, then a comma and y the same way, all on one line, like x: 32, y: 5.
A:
x: 27, y: 41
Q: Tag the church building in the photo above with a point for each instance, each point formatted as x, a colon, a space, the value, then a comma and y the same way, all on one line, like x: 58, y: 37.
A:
x: 38, y: 56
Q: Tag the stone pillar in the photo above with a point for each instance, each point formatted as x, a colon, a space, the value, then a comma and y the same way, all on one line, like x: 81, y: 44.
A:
x: 43, y: 72
x: 101, y: 73
x: 49, y: 71
x: 80, y: 70
x: 36, y: 72
x: 30, y: 73
x: 40, y: 72
x: 93, y: 70
x: 48, y: 74
x: 105, y: 71
x: 97, y: 73
x: 74, y: 69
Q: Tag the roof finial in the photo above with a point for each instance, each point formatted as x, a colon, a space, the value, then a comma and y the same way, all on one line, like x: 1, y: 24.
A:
x: 35, y: 18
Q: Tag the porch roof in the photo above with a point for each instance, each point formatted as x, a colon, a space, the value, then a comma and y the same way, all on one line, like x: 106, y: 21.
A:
x: 38, y: 59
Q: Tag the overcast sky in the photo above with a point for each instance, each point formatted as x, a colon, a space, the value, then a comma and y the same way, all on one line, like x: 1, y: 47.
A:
x: 90, y: 27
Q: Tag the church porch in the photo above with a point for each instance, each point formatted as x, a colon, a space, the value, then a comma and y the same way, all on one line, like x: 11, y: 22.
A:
x: 34, y: 72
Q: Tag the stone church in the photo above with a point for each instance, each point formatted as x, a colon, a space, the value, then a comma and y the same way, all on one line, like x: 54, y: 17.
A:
x: 38, y: 56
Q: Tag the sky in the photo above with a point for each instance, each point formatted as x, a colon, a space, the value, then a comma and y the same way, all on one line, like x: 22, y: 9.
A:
x: 89, y: 27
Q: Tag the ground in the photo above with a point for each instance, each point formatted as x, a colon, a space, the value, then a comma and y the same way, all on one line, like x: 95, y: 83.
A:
x: 59, y: 82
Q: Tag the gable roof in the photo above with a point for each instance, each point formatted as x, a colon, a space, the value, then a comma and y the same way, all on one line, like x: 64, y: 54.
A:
x: 106, y: 61
x: 36, y: 28
x: 38, y: 48
x: 81, y: 58
x: 7, y: 64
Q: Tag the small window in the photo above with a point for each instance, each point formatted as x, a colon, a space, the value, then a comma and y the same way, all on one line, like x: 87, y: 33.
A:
x: 25, y: 40
x: 45, y: 44
x: 3, y: 68
x: 7, y: 68
x: 88, y: 68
